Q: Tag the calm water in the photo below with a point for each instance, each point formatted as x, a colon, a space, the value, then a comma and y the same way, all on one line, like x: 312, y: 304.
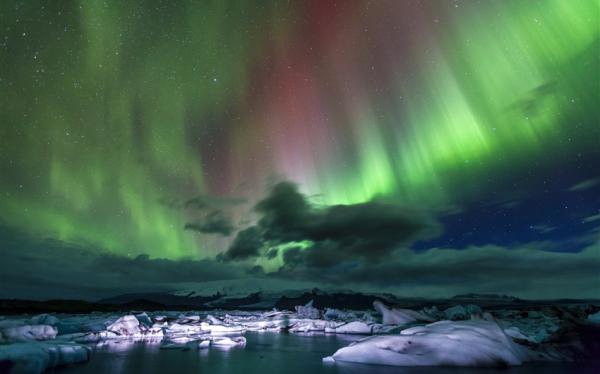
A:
x: 264, y: 353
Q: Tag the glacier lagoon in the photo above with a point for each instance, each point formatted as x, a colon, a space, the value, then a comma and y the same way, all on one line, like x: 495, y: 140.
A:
x: 266, y: 352
x: 308, y: 340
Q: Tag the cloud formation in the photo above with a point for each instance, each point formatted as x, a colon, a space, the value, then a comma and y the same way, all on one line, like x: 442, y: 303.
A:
x: 527, y: 271
x: 214, y: 222
x: 44, y: 269
x: 368, y: 230
x: 41, y: 268
x: 213, y: 202
x: 585, y: 184
x: 247, y: 244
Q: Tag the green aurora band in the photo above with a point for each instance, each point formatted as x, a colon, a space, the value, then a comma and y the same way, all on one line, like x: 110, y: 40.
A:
x: 109, y: 108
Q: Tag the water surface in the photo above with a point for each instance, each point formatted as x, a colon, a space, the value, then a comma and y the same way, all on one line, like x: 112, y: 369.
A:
x: 266, y: 352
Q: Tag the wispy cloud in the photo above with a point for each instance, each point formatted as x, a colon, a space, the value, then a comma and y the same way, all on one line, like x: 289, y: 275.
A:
x: 585, y: 184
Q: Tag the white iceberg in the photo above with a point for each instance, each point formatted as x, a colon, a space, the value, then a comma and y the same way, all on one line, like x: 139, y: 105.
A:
x: 445, y: 343
x: 222, y: 328
x: 355, y: 327
x: 225, y: 341
x: 126, y: 325
x: 311, y: 325
x: 204, y: 344
x: 130, y: 326
x: 395, y: 316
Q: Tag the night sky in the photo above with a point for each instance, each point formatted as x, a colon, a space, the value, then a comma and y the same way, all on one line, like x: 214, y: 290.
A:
x: 424, y: 148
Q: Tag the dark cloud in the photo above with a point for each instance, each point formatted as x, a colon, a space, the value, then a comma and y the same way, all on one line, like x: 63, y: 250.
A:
x: 293, y: 257
x: 585, y: 184
x: 368, y: 230
x: 528, y: 271
x: 248, y: 243
x: 43, y: 269
x: 285, y: 214
x: 39, y: 268
x: 214, y: 223
x: 213, y: 202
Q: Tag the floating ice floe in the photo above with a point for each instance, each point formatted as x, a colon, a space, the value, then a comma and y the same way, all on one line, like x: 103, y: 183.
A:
x: 445, y: 343
x: 130, y: 326
x: 23, y: 333
x: 37, y: 357
x: 225, y: 341
x: 222, y: 328
x: 202, y: 344
x: 355, y: 327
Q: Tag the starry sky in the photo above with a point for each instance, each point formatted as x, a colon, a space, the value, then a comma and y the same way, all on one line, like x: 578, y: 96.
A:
x: 379, y: 145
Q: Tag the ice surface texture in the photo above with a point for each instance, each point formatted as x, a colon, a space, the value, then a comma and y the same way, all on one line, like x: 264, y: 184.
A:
x: 445, y: 343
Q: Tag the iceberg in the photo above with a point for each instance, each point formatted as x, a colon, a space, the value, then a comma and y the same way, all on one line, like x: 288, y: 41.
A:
x: 307, y: 311
x: 394, y: 316
x: 459, y: 312
x: 27, y: 333
x: 229, y: 341
x: 37, y: 357
x: 126, y: 325
x: 444, y: 343
x: 130, y: 326
x: 355, y: 327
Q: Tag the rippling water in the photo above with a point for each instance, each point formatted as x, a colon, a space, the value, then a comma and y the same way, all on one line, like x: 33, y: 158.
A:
x: 266, y: 353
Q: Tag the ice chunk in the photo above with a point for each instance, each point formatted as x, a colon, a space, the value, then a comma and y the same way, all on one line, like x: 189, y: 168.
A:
x: 336, y: 314
x: 36, y: 357
x: 88, y: 337
x: 225, y: 341
x: 394, y: 316
x: 515, y: 332
x: 203, y: 344
x: 214, y: 320
x: 307, y: 311
x: 227, y: 329
x: 27, y: 333
x: 445, y: 343
x: 44, y: 319
x: 459, y: 312
x: 126, y: 325
x: 144, y: 319
x: 594, y: 318
x: 355, y: 327
x: 311, y: 325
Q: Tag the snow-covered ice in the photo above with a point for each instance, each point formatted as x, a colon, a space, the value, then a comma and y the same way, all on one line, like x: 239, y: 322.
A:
x: 445, y: 343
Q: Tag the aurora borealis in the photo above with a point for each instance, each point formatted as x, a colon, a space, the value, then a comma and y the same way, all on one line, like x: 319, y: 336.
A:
x: 153, y: 129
